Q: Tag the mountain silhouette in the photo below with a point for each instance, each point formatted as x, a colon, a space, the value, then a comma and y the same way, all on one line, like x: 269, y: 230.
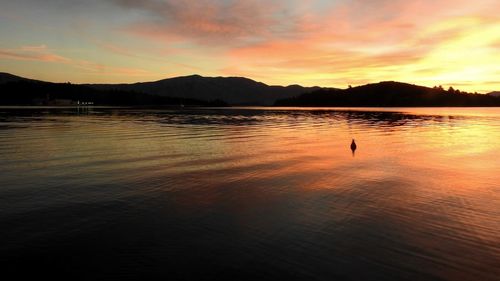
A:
x: 390, y: 94
x: 233, y: 90
x: 494, y: 94
x: 15, y: 90
x: 7, y: 77
x: 221, y: 91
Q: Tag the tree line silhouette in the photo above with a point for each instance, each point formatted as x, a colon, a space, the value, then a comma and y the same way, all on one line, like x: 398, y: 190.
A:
x: 46, y: 93
x: 383, y: 94
x: 390, y: 94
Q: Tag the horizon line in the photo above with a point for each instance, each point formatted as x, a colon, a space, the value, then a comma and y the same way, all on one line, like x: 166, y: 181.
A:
x: 444, y: 86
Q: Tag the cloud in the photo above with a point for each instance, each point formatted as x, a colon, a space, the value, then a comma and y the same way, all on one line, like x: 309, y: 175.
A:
x: 227, y: 24
x: 496, y: 45
x: 93, y: 67
x: 327, y: 42
x: 212, y: 22
x: 334, y: 41
x: 380, y: 40
x: 41, y: 53
x: 32, y: 53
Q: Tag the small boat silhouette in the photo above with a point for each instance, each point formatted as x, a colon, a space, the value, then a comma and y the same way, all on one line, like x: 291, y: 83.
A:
x: 353, y: 145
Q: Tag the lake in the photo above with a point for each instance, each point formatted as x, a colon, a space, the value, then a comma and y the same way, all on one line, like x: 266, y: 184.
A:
x: 250, y: 193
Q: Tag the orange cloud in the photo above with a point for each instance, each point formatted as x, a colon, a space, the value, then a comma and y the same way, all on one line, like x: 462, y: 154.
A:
x: 103, y: 69
x: 312, y: 42
x: 42, y: 53
x: 382, y: 40
x: 203, y: 21
x: 32, y: 53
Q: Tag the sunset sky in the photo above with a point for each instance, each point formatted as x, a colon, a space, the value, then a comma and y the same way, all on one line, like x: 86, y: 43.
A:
x: 326, y: 43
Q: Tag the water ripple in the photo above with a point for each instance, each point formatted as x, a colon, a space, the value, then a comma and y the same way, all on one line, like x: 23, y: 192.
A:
x: 261, y: 193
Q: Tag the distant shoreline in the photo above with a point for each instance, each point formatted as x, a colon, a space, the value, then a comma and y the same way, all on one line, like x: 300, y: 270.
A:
x: 226, y: 107
x: 198, y: 91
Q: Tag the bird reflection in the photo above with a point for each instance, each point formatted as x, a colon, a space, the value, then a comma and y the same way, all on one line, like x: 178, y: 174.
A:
x: 353, y: 147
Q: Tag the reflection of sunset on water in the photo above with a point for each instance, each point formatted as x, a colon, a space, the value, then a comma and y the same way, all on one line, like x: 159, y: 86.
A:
x: 272, y: 184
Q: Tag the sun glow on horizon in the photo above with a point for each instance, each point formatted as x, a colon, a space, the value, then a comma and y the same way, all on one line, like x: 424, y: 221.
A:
x: 312, y: 43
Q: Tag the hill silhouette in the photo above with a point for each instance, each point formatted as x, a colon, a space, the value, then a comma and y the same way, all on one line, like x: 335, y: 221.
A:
x: 233, y: 90
x: 390, y: 94
x: 30, y: 92
x: 220, y: 91
x: 7, y: 77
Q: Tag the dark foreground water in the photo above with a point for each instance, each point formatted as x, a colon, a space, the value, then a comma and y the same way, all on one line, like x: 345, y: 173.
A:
x: 250, y: 194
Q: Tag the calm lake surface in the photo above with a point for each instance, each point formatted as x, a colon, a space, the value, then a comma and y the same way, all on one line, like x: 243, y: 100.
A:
x: 250, y: 193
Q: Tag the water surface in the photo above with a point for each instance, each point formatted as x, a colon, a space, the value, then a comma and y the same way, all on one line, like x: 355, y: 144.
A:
x: 251, y: 193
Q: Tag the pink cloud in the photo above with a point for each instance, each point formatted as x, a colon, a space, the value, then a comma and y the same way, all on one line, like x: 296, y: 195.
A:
x: 242, y: 24
x: 360, y: 37
x: 32, y: 53
x: 287, y: 40
x: 42, y: 53
x: 212, y: 22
